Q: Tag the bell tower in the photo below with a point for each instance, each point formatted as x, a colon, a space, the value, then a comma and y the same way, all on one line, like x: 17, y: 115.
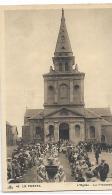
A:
x: 63, y: 85
x: 63, y: 56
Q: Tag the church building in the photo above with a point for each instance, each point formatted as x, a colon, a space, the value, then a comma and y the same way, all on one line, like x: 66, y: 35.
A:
x: 65, y: 116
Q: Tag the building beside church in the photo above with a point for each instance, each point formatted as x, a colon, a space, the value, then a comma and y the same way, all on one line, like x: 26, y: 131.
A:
x: 11, y: 134
x: 64, y: 115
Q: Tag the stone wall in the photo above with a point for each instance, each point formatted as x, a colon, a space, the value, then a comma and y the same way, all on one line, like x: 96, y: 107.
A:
x: 96, y: 123
x: 71, y: 122
x: 26, y: 134
x: 107, y: 132
x: 29, y: 132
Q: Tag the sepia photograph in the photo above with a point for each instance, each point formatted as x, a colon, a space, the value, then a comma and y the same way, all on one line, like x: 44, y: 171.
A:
x: 58, y: 97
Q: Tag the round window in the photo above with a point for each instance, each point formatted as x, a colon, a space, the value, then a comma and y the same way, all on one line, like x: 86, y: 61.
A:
x: 51, y: 88
x: 76, y: 87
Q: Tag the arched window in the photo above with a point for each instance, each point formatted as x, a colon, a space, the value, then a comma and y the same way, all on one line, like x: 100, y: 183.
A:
x: 64, y: 131
x: 63, y: 93
x: 92, y: 132
x: 77, y: 131
x: 60, y: 67
x: 51, y: 130
x: 51, y: 93
x: 66, y: 66
x: 38, y: 132
x: 77, y: 93
x: 103, y: 138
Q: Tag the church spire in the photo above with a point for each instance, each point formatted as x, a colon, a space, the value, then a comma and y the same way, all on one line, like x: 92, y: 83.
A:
x: 62, y: 13
x: 63, y: 52
x: 63, y: 42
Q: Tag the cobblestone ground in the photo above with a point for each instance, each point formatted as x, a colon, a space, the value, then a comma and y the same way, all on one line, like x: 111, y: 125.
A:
x: 30, y: 176
x: 64, y: 161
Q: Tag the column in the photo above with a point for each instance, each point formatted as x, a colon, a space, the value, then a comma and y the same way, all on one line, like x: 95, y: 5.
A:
x: 98, y: 130
x: 82, y: 131
x: 45, y: 91
x: 46, y: 131
x: 56, y: 92
x: 56, y: 131
x: 71, y: 91
x: 72, y: 132
x: 82, y: 91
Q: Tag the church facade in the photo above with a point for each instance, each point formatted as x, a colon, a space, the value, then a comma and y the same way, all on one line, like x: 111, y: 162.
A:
x: 64, y: 115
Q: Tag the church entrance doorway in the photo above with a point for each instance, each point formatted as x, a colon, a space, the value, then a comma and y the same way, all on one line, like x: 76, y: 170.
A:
x: 103, y: 139
x: 64, y: 131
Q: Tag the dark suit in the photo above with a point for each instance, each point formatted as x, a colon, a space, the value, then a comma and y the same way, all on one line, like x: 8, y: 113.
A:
x: 97, y: 155
x: 103, y: 170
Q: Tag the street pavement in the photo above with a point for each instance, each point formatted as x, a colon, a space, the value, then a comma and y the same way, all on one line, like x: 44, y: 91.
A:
x: 65, y: 163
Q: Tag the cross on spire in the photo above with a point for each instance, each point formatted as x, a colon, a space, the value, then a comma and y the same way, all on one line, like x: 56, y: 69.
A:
x: 62, y: 13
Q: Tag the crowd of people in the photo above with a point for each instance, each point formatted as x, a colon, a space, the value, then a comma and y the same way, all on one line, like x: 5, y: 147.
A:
x: 82, y: 169
x: 104, y: 147
x: 45, y: 157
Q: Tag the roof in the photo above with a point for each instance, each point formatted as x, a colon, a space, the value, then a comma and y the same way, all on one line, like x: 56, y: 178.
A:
x: 30, y: 112
x: 65, y: 111
x: 106, y: 123
x: 101, y: 111
x: 91, y: 114
x: 34, y: 113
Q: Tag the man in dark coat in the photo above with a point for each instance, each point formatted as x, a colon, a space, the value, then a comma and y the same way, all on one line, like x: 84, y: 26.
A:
x: 97, y: 152
x: 103, y: 170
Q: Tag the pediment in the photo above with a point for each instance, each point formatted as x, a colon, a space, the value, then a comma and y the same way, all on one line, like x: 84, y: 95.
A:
x: 64, y: 112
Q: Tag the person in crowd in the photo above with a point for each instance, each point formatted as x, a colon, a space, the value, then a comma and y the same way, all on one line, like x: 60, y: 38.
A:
x: 103, y: 170
x: 62, y: 177
x: 15, y: 172
x: 80, y: 178
x: 97, y: 155
x: 42, y: 174
x: 57, y: 177
x: 84, y: 167
x: 9, y: 168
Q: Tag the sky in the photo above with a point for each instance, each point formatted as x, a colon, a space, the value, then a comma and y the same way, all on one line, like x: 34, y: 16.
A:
x: 30, y: 40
